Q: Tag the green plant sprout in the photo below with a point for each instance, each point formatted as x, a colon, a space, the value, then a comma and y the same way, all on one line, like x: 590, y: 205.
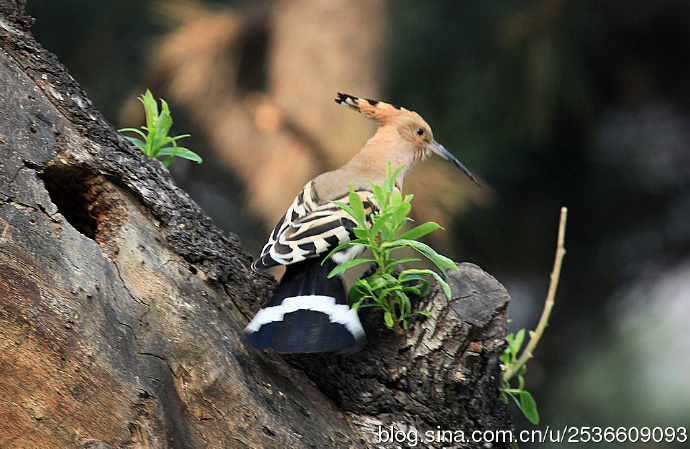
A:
x: 156, y: 143
x: 388, y: 288
x: 514, y: 365
x: 523, y: 398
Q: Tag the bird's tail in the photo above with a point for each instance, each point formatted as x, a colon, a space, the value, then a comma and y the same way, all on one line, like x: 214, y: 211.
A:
x: 308, y: 313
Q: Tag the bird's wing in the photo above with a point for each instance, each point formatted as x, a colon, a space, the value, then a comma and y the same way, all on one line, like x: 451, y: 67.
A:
x: 310, y: 227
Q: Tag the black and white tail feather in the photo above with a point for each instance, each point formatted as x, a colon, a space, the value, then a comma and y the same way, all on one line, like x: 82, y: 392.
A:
x: 308, y: 311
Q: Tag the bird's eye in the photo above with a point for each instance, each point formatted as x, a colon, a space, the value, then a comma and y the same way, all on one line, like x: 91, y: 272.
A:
x: 420, y: 132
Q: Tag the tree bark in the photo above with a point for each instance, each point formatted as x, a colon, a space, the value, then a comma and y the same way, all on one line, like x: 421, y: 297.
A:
x: 122, y: 306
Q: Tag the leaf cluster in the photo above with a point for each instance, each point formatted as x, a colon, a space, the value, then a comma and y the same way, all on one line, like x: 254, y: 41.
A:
x: 522, y: 397
x: 379, y: 228
x: 155, y: 141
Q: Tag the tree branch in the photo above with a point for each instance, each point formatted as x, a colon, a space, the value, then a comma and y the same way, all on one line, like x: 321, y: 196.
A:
x: 528, y: 353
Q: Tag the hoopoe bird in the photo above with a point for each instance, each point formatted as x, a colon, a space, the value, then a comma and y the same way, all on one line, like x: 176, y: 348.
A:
x: 308, y: 311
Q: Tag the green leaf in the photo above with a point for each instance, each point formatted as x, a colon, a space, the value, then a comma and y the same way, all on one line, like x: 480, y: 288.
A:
x: 349, y: 264
x: 340, y: 204
x: 388, y: 319
x: 444, y: 285
x: 355, y: 299
x: 343, y: 246
x: 420, y: 289
x: 392, y: 177
x: 379, y: 282
x: 380, y: 221
x: 516, y: 344
x: 164, y: 107
x: 529, y: 407
x: 357, y: 208
x: 379, y: 195
x: 141, y: 145
x: 181, y: 152
x: 512, y: 394
x: 347, y: 208
x: 420, y: 231
x: 163, y: 124
x: 390, y: 291
x: 361, y: 233
x: 440, y: 261
x: 134, y: 130
x: 150, y: 108
x: 412, y: 275
x: 403, y: 260
x: 358, y: 293
x: 413, y: 290
x: 401, y: 212
x: 405, y: 306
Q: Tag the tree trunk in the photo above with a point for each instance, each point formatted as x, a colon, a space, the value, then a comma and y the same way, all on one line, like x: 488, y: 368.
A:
x: 122, y: 306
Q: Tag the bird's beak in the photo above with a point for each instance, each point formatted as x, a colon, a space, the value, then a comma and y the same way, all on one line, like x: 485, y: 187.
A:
x: 439, y: 149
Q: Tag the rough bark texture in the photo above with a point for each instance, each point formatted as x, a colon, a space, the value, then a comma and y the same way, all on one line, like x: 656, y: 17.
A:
x: 121, y: 306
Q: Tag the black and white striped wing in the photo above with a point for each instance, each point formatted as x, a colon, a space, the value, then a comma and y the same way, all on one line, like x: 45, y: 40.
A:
x: 311, y: 227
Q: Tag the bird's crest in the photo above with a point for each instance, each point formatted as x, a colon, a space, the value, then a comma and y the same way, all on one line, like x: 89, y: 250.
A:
x: 376, y: 110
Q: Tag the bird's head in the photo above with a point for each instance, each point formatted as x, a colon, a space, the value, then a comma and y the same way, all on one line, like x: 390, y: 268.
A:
x: 410, y: 128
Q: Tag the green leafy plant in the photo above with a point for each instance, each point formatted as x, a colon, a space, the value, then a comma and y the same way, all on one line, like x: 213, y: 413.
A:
x: 389, y: 288
x: 522, y: 397
x: 514, y: 358
x: 156, y: 143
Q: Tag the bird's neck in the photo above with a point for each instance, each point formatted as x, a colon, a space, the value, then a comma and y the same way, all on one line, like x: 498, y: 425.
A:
x: 384, y: 146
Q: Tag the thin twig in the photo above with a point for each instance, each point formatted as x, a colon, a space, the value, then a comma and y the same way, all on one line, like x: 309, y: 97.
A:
x: 548, y: 305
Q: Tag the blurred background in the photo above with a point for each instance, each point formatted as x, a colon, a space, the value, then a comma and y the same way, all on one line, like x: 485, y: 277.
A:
x: 551, y: 103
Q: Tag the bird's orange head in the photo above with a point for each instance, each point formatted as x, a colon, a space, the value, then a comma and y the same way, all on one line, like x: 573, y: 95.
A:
x: 411, y: 129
